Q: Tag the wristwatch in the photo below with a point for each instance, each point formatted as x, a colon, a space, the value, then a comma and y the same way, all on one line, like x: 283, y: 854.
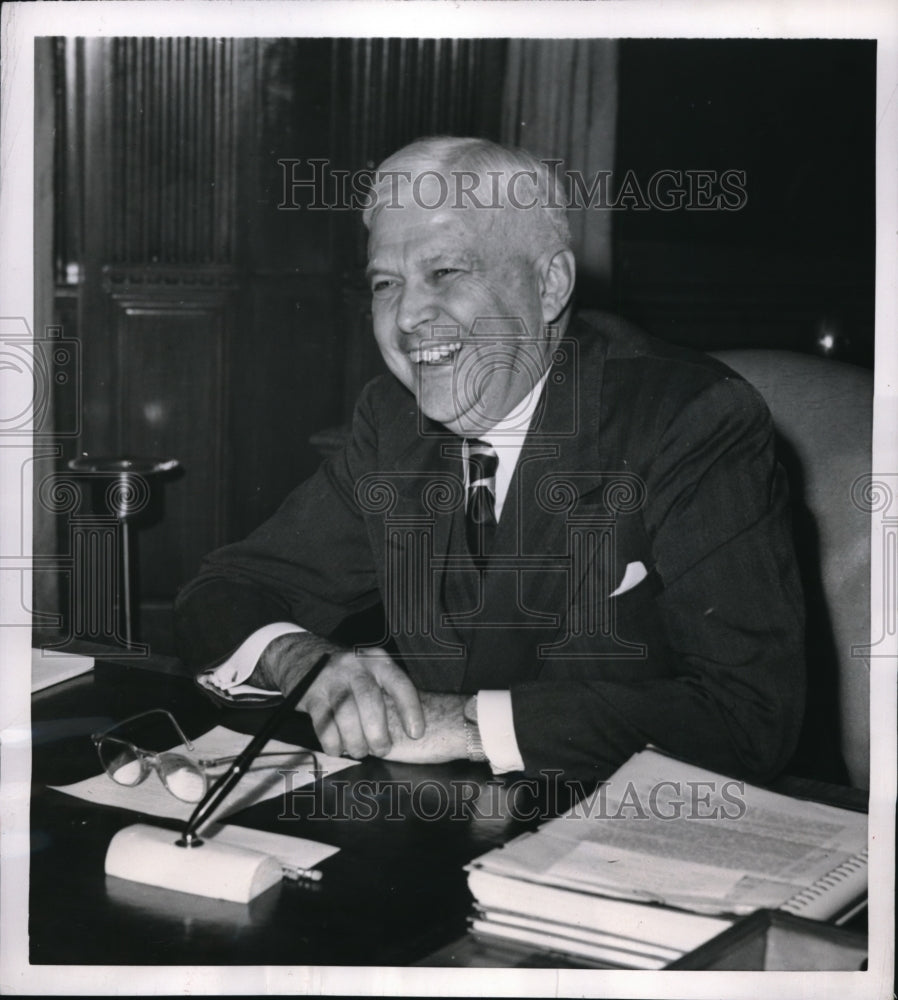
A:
x: 472, y: 731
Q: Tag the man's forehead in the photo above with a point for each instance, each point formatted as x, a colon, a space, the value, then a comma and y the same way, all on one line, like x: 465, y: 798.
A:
x: 420, y: 236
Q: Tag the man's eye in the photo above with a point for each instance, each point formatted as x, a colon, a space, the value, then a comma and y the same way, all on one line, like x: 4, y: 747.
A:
x: 381, y: 284
x: 442, y: 272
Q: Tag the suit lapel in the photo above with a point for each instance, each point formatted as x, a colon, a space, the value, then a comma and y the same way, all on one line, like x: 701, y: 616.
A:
x: 429, y: 488
x: 429, y: 484
x: 529, y: 585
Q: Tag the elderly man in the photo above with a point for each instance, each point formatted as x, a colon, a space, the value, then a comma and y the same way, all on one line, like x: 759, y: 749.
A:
x: 579, y: 534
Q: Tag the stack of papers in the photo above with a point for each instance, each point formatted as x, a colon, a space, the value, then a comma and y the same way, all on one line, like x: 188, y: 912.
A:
x: 662, y: 858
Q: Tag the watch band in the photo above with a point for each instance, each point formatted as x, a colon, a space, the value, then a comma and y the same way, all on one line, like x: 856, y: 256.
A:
x: 472, y: 731
x: 473, y: 742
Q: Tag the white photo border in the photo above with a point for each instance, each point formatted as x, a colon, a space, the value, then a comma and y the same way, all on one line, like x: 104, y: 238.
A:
x: 22, y: 23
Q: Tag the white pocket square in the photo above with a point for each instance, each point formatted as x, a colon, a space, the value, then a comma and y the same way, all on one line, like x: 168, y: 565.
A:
x: 633, y: 574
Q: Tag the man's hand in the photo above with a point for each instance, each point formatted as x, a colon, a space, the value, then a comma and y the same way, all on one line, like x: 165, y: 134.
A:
x: 444, y: 731
x: 352, y: 696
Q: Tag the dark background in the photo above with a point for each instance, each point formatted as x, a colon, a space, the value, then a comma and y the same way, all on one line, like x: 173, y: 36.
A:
x: 220, y: 330
x: 796, y: 263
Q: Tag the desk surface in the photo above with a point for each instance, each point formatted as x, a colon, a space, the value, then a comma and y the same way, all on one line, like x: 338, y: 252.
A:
x: 395, y: 893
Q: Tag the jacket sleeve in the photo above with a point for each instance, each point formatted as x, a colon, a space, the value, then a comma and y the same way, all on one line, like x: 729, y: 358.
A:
x: 731, y: 694
x: 310, y: 563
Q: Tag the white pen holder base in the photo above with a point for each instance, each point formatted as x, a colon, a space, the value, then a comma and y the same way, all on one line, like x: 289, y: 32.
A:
x: 150, y: 855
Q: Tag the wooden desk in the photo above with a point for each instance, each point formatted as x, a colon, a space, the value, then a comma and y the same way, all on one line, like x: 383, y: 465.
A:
x: 394, y: 895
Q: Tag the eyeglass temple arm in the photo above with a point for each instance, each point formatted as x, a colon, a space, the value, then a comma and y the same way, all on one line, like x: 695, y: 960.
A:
x: 151, y: 711
x: 210, y: 801
x: 212, y: 761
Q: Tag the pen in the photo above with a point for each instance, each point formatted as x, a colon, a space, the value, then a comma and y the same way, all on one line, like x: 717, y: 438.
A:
x: 302, y: 874
x: 226, y: 781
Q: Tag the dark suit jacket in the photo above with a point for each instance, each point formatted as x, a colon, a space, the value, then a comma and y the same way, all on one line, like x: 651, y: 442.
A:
x: 640, y: 452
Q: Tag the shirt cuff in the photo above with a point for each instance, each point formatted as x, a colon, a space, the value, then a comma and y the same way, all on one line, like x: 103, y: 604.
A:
x: 231, y: 675
x: 496, y: 724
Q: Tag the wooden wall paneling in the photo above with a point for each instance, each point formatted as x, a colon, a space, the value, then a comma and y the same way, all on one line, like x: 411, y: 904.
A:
x: 46, y: 535
x: 171, y: 148
x: 99, y: 419
x: 171, y: 363
x: 159, y: 281
x: 67, y: 161
x: 287, y: 348
x: 289, y: 386
x: 289, y: 108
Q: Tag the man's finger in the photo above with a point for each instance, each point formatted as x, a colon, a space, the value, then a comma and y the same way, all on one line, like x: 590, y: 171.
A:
x: 372, y: 710
x: 326, y: 729
x: 346, y: 716
x: 404, y: 694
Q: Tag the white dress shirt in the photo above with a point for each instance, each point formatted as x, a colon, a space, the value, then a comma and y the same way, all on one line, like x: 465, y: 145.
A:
x: 494, y: 714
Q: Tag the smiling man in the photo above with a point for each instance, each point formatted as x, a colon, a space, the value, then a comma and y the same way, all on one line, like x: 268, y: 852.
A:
x: 462, y: 304
x: 579, y: 534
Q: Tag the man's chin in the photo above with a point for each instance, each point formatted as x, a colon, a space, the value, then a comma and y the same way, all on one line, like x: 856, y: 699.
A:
x: 444, y: 417
x: 466, y: 418
x: 464, y: 424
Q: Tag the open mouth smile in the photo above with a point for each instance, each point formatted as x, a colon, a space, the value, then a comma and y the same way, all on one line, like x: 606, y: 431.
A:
x: 435, y: 354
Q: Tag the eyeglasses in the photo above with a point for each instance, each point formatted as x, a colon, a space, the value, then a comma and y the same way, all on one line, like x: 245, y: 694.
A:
x: 186, y: 777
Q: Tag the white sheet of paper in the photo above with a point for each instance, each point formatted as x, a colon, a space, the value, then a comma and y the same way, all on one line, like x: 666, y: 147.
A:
x: 49, y: 667
x: 292, y: 852
x: 588, y: 862
x: 261, y: 782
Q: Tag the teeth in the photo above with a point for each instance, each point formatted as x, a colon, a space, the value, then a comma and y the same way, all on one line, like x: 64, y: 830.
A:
x: 436, y: 354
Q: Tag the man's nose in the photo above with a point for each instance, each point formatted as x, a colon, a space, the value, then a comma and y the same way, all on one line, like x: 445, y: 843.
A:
x: 417, y: 308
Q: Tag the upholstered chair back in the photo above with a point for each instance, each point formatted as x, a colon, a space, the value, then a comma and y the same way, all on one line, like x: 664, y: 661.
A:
x: 823, y: 413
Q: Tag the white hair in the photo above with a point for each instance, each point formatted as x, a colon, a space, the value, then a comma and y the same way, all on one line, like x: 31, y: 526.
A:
x: 479, y: 174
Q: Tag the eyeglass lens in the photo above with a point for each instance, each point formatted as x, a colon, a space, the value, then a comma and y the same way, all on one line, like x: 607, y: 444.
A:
x: 121, y: 763
x: 183, y: 777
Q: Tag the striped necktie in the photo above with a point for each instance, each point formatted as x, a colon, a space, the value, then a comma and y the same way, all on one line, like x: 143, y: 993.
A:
x: 480, y: 522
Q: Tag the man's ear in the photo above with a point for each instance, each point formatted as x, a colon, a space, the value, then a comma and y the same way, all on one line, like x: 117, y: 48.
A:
x: 556, y: 284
